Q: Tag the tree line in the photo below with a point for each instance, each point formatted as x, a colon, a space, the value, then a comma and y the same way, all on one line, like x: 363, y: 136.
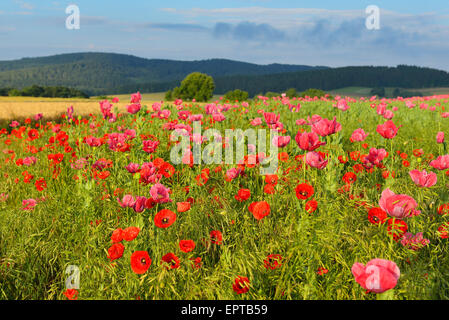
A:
x: 38, y: 91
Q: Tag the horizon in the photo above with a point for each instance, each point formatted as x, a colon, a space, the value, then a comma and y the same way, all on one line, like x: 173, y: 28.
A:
x: 295, y: 32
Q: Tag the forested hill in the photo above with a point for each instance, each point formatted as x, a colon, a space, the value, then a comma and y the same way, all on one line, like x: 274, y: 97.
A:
x: 329, y: 79
x: 109, y: 73
x: 105, y: 72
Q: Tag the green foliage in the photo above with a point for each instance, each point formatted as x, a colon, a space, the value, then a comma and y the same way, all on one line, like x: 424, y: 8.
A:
x: 314, y: 93
x: 198, y: 86
x: 292, y: 93
x: 405, y: 93
x: 236, y: 95
x: 380, y: 92
x: 48, y: 92
x: 169, y: 96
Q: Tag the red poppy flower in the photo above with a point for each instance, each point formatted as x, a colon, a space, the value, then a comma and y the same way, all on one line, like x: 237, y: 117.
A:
x: 167, y: 170
x: 418, y: 152
x: 443, y: 230
x: 396, y: 228
x: 186, y: 245
x: 183, y: 206
x: 33, y: 134
x: 241, y: 285
x: 377, y: 216
x: 443, y: 209
x: 349, y: 177
x: 116, y: 251
x: 269, y: 189
x: 271, y: 179
x: 140, y: 262
x: 172, y: 260
x: 216, y: 237
x: 311, y: 206
x: 117, y: 235
x: 71, y: 294
x: 40, y: 184
x: 243, y: 195
x: 129, y: 234
x: 259, y: 209
x: 164, y: 218
x: 342, y: 160
x: 322, y: 271
x: 304, y: 191
x: 273, y: 261
x: 197, y: 263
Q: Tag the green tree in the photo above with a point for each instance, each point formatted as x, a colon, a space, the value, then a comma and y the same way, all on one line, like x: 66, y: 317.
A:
x: 198, y: 86
x: 313, y: 93
x: 237, y: 94
x: 169, y: 96
x: 291, y: 93
x: 380, y: 92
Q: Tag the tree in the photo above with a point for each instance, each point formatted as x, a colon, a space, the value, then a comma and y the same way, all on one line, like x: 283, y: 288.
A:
x: 237, y: 94
x: 313, y: 93
x: 169, y: 96
x: 198, y: 86
x: 380, y: 92
x: 291, y: 93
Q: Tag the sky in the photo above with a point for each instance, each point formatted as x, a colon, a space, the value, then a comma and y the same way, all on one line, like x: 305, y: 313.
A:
x: 326, y: 33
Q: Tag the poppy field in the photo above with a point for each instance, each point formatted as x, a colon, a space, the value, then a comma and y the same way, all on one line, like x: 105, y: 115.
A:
x: 357, y: 208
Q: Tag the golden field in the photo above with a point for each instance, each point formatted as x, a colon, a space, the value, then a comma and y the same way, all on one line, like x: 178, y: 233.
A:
x: 21, y: 107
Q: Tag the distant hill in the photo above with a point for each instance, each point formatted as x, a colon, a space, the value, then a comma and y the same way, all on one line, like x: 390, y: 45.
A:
x: 110, y: 73
x: 98, y: 73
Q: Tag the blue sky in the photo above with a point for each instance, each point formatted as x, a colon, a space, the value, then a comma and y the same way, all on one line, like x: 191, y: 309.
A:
x: 330, y: 33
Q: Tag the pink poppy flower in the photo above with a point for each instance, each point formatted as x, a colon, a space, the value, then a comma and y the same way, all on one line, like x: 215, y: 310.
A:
x: 160, y: 193
x: 414, y: 242
x: 398, y: 205
x: 423, y: 179
x: 316, y: 160
x: 377, y: 276
x: 342, y: 105
x: 136, y: 97
x: 28, y: 204
x: 388, y: 114
x: 256, y: 122
x: 271, y: 118
x: 139, y: 205
x: 308, y: 141
x: 281, y: 141
x: 14, y: 124
x: 218, y: 117
x: 132, y: 167
x: 358, y: 135
x: 326, y: 127
x: 150, y: 146
x: 441, y: 163
x: 375, y: 157
x: 388, y: 130
x: 440, y: 137
x: 128, y: 201
x: 133, y: 108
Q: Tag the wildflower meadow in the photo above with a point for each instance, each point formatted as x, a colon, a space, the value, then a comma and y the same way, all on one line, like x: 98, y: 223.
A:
x: 137, y: 204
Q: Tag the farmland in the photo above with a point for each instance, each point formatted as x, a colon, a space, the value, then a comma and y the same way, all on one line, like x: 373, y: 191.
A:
x: 359, y: 181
